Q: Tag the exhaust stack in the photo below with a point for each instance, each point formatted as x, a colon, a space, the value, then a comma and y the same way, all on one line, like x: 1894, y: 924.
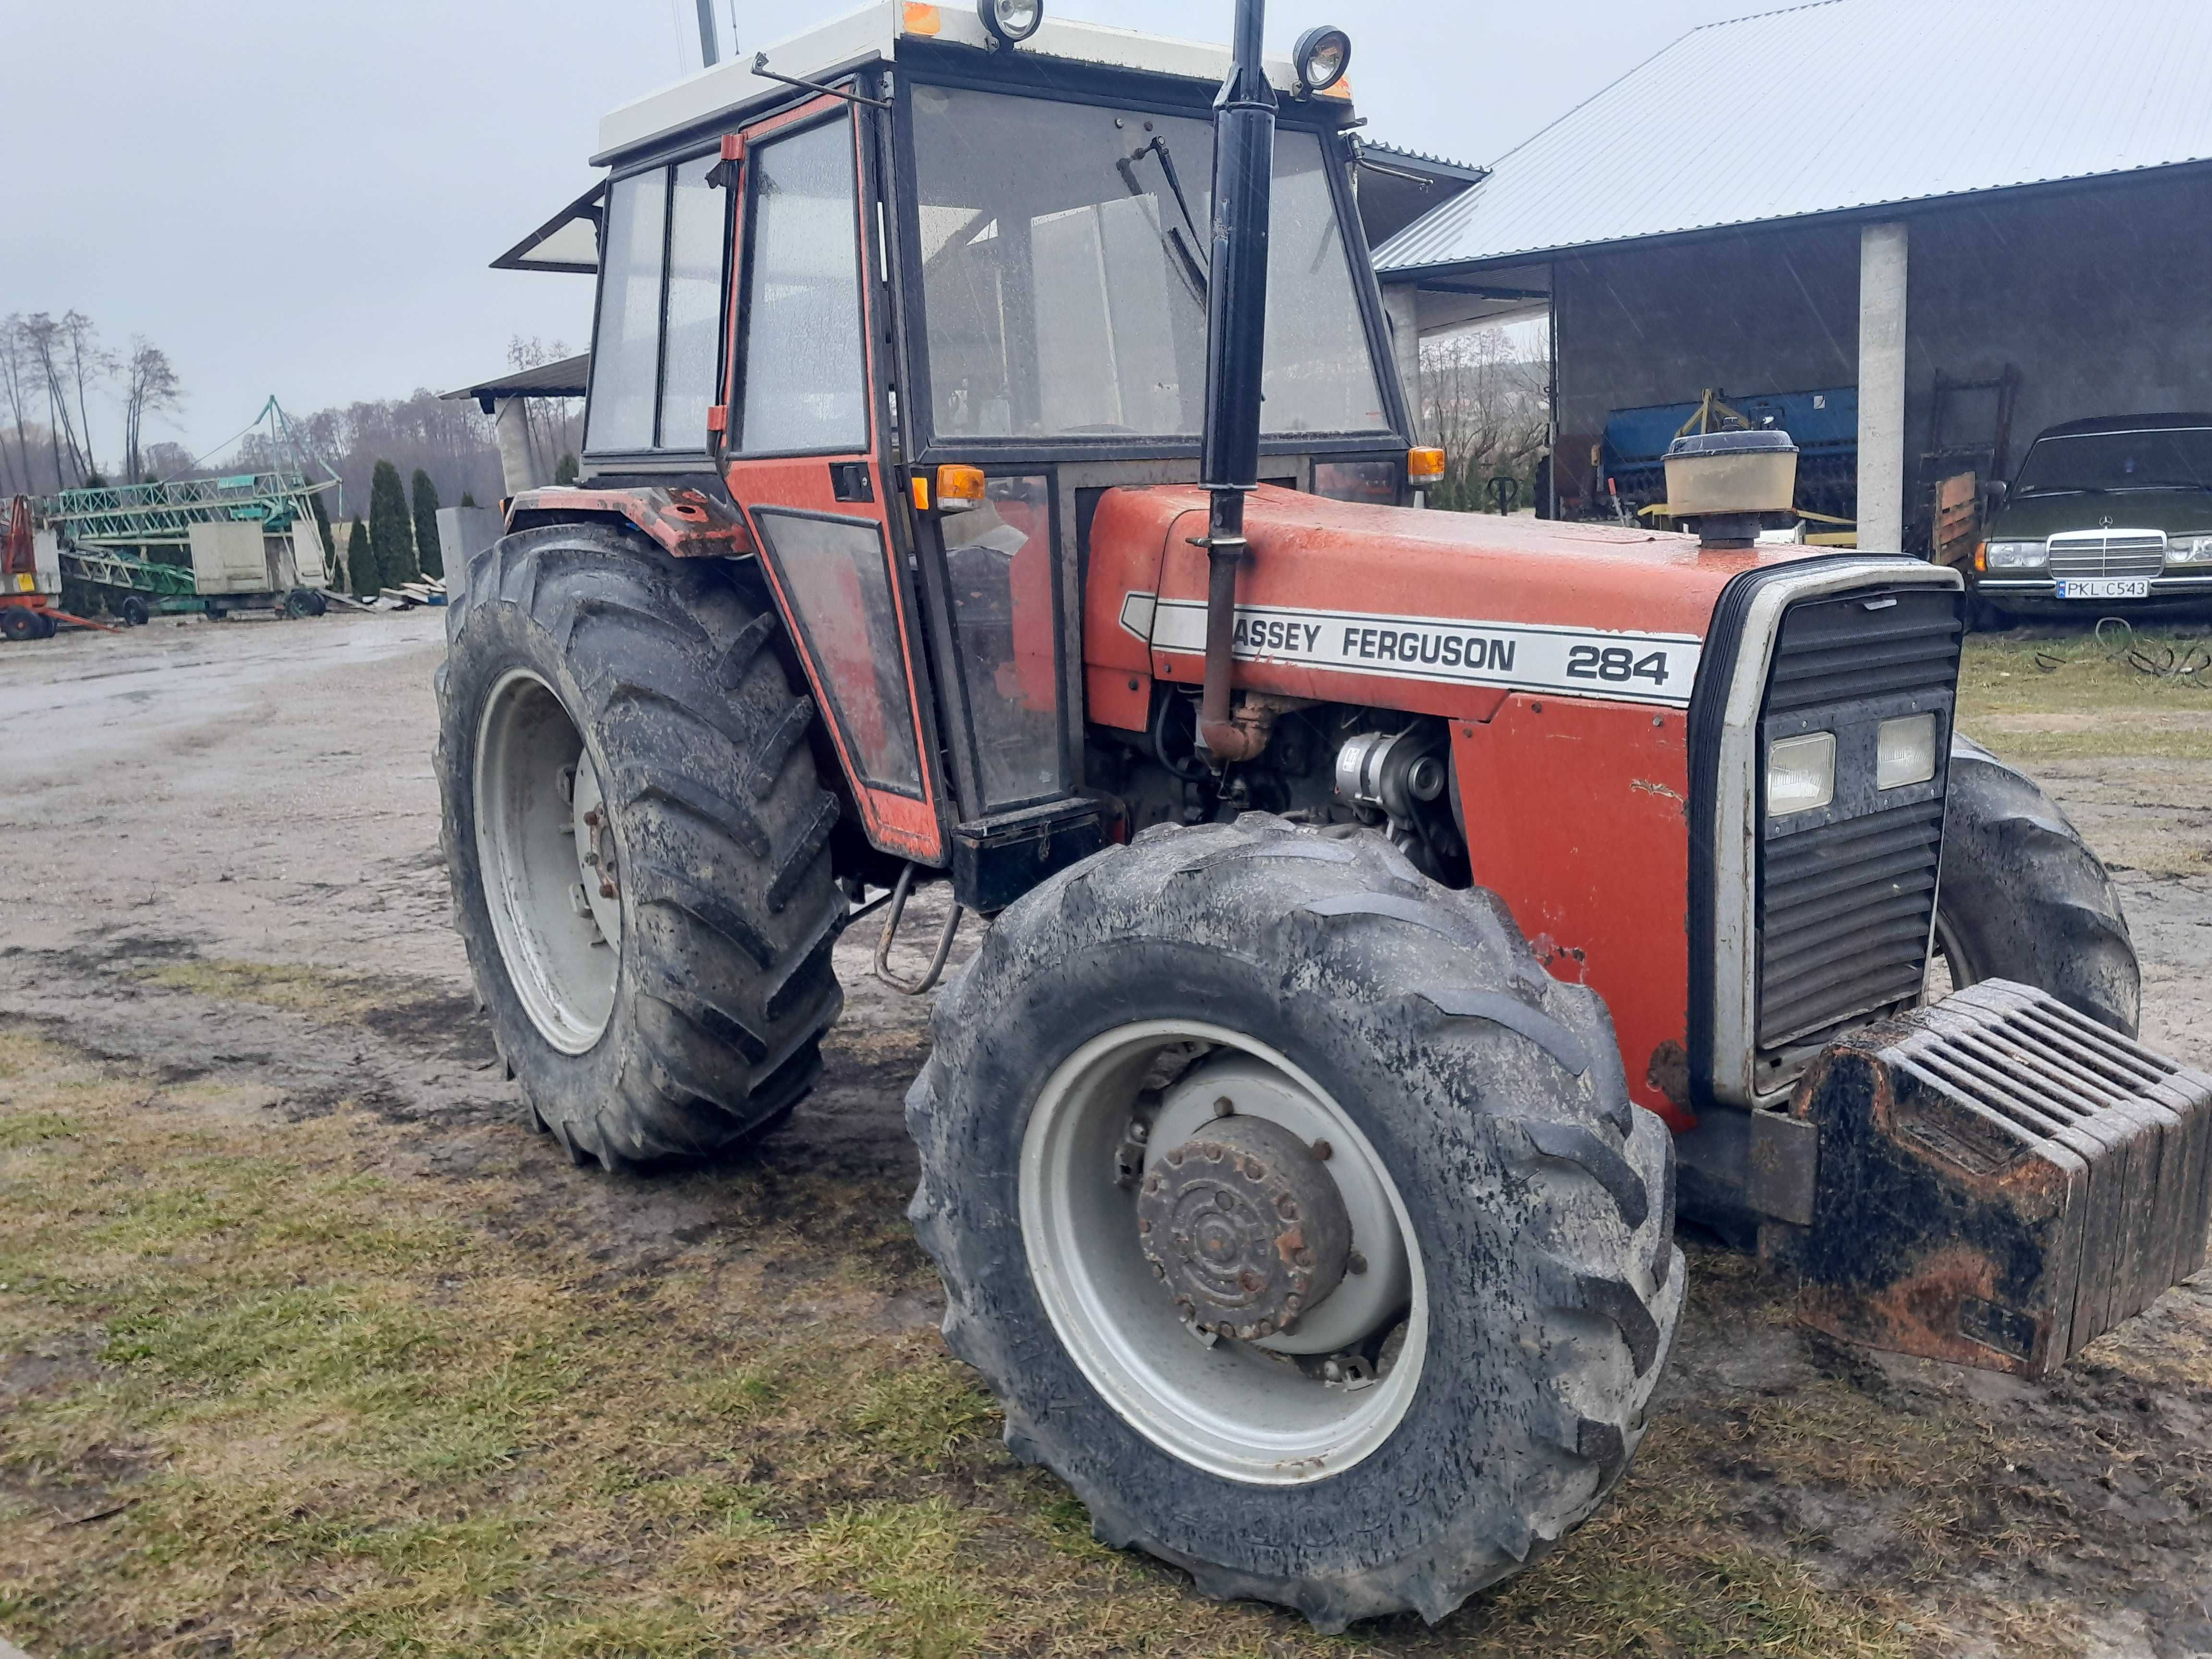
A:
x: 1236, y: 344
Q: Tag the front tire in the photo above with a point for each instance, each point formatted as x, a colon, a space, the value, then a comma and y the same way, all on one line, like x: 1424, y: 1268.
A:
x: 637, y: 844
x: 2022, y: 896
x: 1310, y: 981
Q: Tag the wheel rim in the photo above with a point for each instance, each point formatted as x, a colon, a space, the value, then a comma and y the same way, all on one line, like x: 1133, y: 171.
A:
x: 1258, y: 1412
x: 559, y: 934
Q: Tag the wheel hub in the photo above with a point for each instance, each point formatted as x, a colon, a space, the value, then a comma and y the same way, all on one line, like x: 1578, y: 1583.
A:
x: 1243, y: 1223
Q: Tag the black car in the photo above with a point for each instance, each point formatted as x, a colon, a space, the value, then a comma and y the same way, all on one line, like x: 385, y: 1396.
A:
x: 2114, y: 510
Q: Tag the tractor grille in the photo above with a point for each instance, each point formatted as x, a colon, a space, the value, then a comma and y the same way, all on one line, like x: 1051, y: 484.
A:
x: 2107, y: 553
x: 1847, y: 894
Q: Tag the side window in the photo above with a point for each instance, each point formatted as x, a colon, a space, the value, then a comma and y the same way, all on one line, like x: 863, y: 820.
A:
x: 653, y: 356
x: 626, y: 348
x: 806, y: 374
x: 698, y: 223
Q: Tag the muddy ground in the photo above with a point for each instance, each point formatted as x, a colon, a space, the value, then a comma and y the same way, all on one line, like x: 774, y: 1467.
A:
x: 226, y: 916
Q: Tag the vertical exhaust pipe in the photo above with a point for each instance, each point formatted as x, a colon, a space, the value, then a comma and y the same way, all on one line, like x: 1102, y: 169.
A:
x: 710, y: 46
x: 1236, y: 344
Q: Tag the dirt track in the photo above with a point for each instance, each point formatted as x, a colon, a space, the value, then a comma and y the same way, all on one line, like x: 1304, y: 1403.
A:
x: 225, y: 877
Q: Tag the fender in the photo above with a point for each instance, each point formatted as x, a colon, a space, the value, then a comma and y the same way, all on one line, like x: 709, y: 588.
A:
x: 687, y: 523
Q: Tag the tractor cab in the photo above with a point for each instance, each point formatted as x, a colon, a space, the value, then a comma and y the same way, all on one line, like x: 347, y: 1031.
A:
x: 899, y: 302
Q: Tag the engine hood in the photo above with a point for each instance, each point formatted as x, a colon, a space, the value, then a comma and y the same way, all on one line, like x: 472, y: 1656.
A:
x: 1431, y: 611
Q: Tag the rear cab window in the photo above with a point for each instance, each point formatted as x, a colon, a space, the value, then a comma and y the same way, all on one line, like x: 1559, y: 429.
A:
x: 656, y: 358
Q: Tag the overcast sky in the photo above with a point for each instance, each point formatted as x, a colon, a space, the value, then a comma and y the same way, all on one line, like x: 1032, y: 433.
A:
x: 297, y: 197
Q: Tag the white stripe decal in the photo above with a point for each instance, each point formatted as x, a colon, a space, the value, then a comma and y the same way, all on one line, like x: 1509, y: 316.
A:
x: 1574, y: 662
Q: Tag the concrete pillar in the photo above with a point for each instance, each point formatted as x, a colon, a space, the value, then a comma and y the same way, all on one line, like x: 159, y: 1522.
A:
x: 1881, y: 388
x: 517, y: 470
x: 1400, y: 308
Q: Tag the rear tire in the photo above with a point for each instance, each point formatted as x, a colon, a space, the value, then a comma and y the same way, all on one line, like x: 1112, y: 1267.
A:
x: 18, y: 624
x: 699, y: 1026
x: 134, y: 613
x: 2022, y: 897
x: 1534, y: 1204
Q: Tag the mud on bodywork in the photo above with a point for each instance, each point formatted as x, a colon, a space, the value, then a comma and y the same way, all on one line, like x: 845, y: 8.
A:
x: 2001, y: 1181
x: 686, y: 523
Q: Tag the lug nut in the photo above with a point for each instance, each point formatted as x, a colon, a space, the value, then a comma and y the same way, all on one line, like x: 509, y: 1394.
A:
x: 1224, y: 1107
x: 1323, y: 1151
x: 1355, y: 1263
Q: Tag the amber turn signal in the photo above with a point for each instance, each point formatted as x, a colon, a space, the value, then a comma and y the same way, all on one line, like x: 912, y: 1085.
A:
x: 1424, y: 466
x: 959, y: 488
x: 1981, y: 558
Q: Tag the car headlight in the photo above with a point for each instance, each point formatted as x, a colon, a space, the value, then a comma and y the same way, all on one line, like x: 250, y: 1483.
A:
x: 2189, y: 549
x: 1905, y: 752
x: 1800, y: 773
x: 2019, y: 555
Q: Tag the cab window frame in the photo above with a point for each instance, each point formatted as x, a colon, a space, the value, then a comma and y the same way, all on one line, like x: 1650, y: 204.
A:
x: 738, y: 278
x: 660, y: 452
x: 1136, y: 95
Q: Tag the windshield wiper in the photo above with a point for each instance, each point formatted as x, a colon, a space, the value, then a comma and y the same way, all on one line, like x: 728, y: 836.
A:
x: 1185, y: 251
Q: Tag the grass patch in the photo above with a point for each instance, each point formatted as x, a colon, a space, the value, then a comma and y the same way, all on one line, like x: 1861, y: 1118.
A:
x: 2074, y: 697
x: 325, y: 1408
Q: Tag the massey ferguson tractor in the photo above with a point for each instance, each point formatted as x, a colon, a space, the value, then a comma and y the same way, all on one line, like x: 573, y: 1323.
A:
x: 995, y: 473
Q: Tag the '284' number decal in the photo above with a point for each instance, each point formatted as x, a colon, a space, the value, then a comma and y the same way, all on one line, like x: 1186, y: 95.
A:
x: 1616, y: 663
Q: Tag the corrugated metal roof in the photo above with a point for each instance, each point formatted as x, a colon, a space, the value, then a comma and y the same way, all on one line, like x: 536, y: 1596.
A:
x: 1842, y: 104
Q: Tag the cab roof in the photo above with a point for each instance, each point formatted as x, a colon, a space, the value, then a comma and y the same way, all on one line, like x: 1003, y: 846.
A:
x: 876, y: 33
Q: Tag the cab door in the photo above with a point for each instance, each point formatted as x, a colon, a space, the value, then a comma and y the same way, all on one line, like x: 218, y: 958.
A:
x: 805, y: 456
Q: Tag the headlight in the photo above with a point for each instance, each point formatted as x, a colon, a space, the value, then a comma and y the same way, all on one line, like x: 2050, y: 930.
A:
x: 2019, y: 555
x: 1905, y: 752
x: 1011, y: 21
x: 1800, y: 773
x: 1321, y: 58
x: 2189, y: 549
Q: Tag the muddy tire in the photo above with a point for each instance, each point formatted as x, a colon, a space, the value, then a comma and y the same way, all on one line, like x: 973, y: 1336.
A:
x: 1534, y: 1209
x: 134, y: 612
x: 2022, y: 897
x: 674, y: 1009
x: 18, y: 622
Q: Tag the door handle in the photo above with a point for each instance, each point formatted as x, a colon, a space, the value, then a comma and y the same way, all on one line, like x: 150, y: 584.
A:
x: 849, y: 482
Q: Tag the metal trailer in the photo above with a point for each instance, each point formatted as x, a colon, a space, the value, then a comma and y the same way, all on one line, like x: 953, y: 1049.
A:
x: 241, y: 541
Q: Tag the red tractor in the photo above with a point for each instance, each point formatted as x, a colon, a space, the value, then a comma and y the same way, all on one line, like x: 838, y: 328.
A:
x: 995, y: 471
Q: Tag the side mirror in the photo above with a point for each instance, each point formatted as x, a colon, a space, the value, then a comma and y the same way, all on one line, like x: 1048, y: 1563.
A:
x: 1995, y: 491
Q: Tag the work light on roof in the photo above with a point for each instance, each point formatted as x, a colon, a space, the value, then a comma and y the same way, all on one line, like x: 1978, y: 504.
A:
x: 1321, y: 58
x: 1011, y: 21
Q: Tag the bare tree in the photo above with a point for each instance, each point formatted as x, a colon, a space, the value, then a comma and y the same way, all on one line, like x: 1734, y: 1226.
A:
x: 89, y: 364
x: 150, y: 387
x: 1486, y: 404
x: 16, y: 385
x: 48, y: 350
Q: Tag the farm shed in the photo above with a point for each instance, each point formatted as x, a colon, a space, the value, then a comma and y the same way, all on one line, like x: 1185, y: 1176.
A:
x: 1919, y: 234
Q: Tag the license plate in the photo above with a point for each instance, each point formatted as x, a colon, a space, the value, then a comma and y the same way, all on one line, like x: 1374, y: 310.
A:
x: 2104, y: 587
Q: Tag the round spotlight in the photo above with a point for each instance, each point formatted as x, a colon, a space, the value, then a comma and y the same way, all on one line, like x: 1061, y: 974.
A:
x: 1011, y: 21
x: 1322, y: 56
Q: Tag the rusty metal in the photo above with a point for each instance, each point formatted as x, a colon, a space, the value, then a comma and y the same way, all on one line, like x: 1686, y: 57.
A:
x: 688, y: 523
x: 2001, y: 1181
x: 1247, y: 1228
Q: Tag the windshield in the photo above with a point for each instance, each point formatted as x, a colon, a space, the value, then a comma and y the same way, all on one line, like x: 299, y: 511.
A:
x: 2165, y: 458
x: 1064, y: 272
